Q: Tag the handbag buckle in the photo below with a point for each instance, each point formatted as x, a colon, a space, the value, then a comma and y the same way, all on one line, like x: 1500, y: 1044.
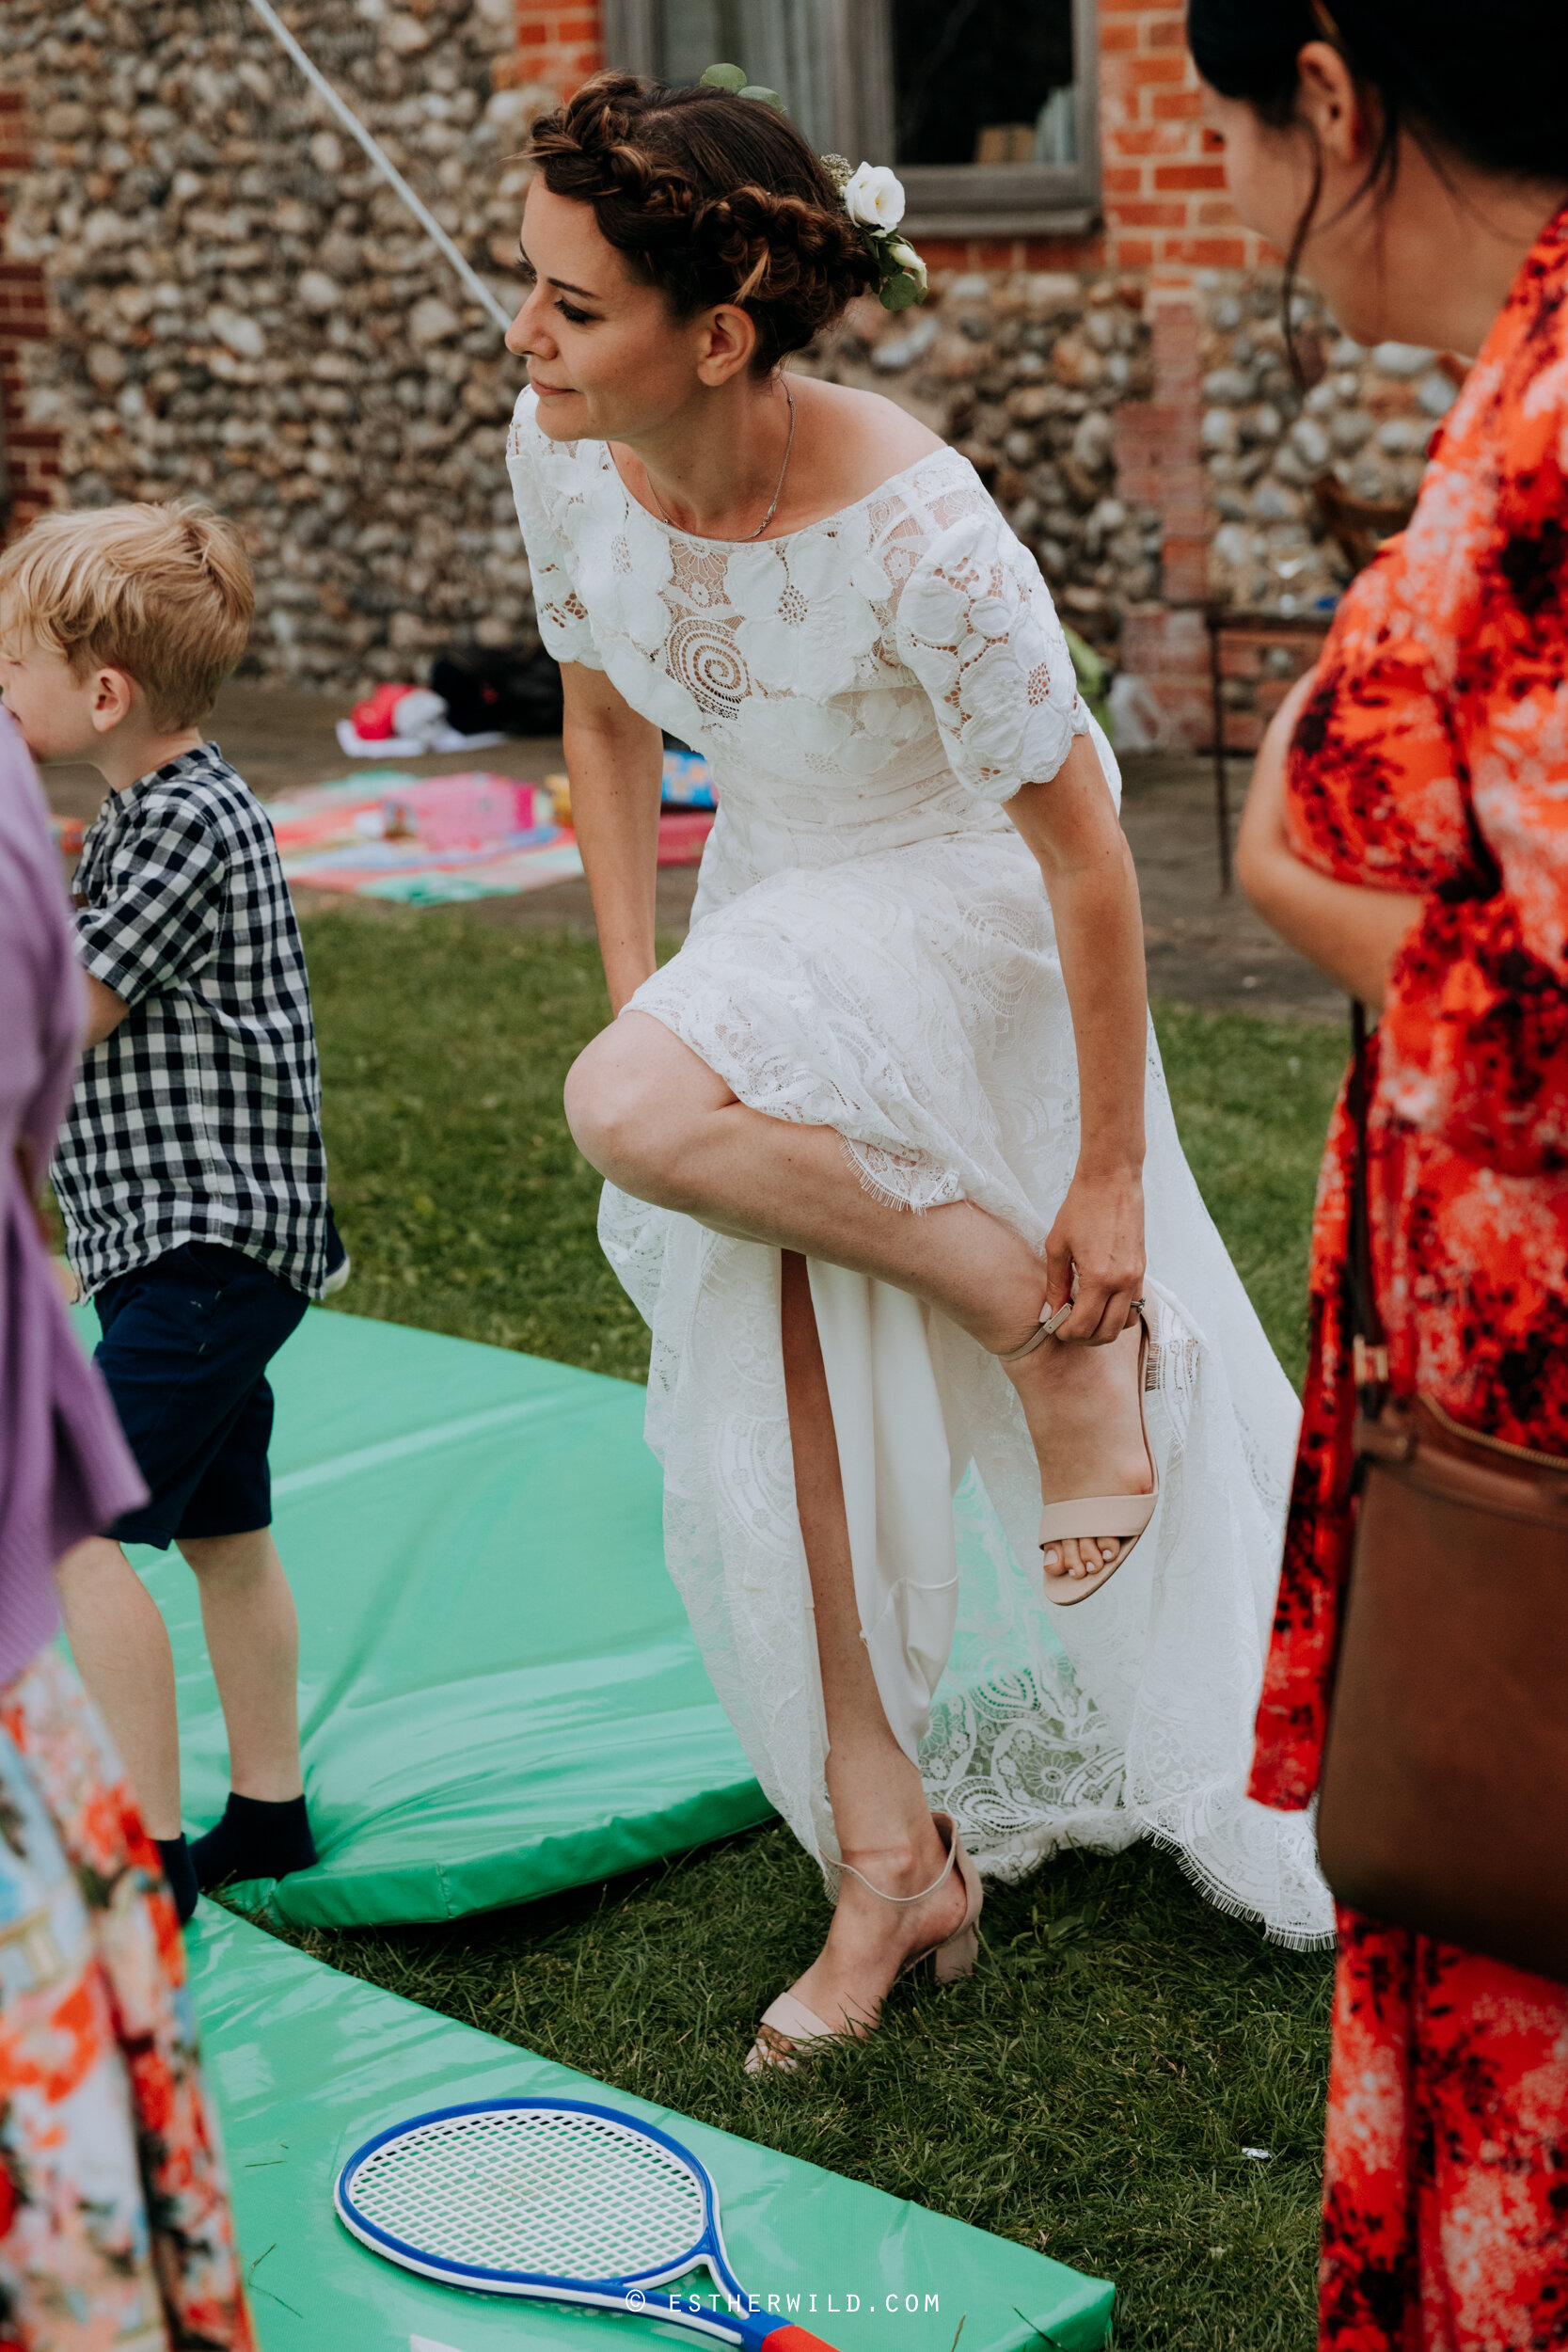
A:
x: 1382, y: 1439
x: 1368, y: 1364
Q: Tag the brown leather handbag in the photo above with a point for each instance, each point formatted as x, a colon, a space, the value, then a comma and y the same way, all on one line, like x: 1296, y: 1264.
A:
x: 1443, y: 1804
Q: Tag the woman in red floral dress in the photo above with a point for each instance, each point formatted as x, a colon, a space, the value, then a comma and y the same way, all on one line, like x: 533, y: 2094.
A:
x: 1408, y: 830
x: 115, y: 2229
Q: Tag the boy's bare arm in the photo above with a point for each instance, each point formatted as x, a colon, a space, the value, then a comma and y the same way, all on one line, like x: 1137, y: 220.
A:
x: 105, y: 1012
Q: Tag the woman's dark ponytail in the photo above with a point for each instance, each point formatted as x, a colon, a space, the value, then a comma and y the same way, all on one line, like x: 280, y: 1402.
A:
x: 1490, y: 82
x: 1488, y: 86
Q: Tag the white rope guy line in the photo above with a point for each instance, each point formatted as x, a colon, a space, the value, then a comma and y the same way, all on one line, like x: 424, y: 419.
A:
x: 383, y: 163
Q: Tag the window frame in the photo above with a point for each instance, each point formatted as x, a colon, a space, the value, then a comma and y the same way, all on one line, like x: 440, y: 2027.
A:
x: 945, y: 199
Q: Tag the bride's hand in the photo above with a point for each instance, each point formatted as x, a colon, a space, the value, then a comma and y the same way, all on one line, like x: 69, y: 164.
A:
x: 1099, y: 1234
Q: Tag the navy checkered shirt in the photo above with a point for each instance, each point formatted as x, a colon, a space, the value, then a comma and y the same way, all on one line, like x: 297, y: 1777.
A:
x: 197, y: 1118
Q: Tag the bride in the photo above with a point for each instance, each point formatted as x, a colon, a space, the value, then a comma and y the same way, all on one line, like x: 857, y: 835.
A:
x: 876, y: 1139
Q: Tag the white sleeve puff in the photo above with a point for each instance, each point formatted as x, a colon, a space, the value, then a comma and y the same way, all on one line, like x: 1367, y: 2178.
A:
x: 542, y: 473
x: 978, y: 626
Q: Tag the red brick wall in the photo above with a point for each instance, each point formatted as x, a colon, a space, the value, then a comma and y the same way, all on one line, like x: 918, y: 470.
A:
x: 1164, y: 186
x: 33, y: 452
x: 559, y: 42
x: 1160, y: 462
x: 1166, y: 217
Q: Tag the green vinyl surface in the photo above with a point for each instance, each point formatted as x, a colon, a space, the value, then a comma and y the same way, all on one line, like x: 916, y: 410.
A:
x: 500, y: 1693
x: 306, y: 2064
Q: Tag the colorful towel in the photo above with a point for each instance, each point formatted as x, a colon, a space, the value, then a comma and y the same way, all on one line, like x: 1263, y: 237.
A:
x: 440, y: 840
x: 425, y: 841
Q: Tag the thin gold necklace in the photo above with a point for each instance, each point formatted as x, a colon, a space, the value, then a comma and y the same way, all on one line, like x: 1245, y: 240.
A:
x: 778, y: 491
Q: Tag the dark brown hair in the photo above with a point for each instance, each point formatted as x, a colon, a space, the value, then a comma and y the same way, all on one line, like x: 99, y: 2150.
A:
x: 712, y: 198
x: 1488, y: 85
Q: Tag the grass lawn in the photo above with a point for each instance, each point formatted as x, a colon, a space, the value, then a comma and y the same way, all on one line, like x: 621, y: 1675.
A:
x: 1092, y: 2089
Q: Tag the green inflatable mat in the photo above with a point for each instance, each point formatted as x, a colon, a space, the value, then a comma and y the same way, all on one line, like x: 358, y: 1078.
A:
x: 500, y: 1693
x: 306, y: 2063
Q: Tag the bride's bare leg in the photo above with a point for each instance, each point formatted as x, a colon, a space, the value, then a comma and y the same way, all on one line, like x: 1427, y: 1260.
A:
x: 658, y: 1122
x: 880, y: 1807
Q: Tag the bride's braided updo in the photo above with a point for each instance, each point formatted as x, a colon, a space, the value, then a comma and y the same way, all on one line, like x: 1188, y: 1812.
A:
x: 712, y: 198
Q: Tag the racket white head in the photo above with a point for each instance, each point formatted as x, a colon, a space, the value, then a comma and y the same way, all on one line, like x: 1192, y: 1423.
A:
x: 512, y: 2192
x: 556, y: 2199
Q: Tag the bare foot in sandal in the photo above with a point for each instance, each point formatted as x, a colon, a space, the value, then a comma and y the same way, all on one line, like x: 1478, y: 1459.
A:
x: 1084, y: 1410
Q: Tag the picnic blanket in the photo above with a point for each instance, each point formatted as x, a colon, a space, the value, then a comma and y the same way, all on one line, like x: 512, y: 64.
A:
x: 440, y: 840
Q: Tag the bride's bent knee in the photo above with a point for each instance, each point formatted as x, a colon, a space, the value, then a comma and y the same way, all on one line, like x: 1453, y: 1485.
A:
x: 621, y: 1118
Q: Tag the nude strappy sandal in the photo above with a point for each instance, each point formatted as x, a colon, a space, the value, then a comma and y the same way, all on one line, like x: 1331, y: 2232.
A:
x: 1049, y: 1327
x: 1126, y: 1517
x: 790, y: 2031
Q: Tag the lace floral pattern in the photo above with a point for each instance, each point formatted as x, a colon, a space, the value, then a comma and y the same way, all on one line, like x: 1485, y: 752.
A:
x: 871, y: 951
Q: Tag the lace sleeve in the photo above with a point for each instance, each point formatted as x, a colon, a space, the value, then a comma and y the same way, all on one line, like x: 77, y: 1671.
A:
x: 977, y: 627
x: 537, y: 467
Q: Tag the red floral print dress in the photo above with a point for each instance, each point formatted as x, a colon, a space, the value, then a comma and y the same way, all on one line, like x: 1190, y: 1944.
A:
x: 115, y: 2229
x: 1432, y: 756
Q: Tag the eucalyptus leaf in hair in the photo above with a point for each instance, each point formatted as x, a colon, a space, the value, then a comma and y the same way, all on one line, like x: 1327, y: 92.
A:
x: 900, y: 291
x: 732, y: 78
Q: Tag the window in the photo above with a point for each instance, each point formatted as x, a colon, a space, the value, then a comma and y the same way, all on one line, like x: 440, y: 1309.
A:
x: 771, y: 38
x: 985, y: 108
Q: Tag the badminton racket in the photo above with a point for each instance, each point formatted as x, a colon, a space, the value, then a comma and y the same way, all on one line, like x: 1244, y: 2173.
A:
x: 559, y: 2200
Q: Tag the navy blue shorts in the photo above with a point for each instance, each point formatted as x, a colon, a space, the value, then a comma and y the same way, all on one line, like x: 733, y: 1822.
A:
x: 186, y: 1348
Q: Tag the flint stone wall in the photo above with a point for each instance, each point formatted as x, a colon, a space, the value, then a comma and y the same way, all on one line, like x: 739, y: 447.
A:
x: 1026, y: 372
x: 1366, y: 418
x: 240, y: 308
x: 243, y: 310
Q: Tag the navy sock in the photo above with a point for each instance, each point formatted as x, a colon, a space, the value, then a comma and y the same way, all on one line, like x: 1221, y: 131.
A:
x: 255, y: 1839
x: 179, y: 1870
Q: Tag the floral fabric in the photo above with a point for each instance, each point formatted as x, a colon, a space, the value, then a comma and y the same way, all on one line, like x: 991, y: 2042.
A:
x: 115, y: 2232
x: 1432, y: 757
x: 1446, y: 2168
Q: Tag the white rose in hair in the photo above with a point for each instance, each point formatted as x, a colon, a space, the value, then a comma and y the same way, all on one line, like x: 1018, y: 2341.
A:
x: 874, y: 197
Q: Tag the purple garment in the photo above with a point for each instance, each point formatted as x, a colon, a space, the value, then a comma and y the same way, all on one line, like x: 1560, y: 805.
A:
x: 65, y: 1469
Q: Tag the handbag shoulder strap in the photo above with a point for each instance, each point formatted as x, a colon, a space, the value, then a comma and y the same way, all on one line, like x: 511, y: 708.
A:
x: 1368, y: 1349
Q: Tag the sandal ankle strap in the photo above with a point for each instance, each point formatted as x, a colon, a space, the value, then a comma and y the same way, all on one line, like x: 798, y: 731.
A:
x: 1050, y: 1325
x: 940, y: 1880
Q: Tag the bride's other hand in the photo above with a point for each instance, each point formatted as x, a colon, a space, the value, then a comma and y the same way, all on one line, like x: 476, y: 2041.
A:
x: 1099, y: 1235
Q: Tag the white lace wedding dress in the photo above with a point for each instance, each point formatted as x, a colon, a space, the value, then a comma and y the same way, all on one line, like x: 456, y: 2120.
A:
x: 871, y: 949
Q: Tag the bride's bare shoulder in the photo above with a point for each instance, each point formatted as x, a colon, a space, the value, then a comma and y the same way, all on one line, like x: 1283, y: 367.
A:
x: 870, y: 438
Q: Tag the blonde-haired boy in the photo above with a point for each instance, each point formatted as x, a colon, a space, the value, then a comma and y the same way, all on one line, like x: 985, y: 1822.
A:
x: 190, y: 1174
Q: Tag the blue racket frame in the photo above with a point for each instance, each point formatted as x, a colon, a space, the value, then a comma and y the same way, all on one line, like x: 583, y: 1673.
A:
x: 740, y: 2326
